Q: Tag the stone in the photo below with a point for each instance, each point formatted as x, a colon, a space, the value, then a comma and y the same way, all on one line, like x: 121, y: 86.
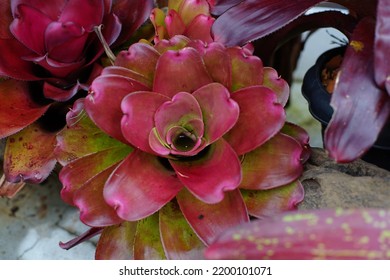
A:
x: 354, y: 185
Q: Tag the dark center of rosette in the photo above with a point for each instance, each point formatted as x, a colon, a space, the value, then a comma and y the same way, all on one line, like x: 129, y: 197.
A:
x: 184, y: 142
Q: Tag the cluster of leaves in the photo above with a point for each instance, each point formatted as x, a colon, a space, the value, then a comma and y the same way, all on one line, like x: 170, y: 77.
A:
x: 150, y: 155
x: 362, y: 94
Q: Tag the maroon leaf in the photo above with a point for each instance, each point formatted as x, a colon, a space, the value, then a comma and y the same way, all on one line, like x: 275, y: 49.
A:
x: 220, y: 6
x: 360, y: 108
x: 17, y: 108
x: 316, y: 234
x: 80, y: 239
x: 256, y: 19
x: 131, y: 21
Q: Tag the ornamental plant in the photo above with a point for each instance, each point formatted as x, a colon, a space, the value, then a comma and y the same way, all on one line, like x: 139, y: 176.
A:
x: 50, y: 54
x: 175, y: 143
x: 361, y: 94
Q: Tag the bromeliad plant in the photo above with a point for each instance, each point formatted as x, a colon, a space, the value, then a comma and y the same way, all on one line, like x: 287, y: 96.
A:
x: 50, y: 54
x: 361, y: 95
x: 177, y: 142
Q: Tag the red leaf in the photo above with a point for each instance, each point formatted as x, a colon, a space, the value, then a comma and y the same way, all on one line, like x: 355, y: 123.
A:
x: 17, y: 108
x: 210, y: 220
x: 276, y: 163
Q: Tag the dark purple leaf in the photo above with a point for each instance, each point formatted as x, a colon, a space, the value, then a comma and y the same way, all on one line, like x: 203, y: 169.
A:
x: 220, y: 6
x: 255, y: 19
x: 360, y: 108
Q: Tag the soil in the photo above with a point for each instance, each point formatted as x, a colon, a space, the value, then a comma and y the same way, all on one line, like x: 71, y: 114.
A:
x: 329, y: 73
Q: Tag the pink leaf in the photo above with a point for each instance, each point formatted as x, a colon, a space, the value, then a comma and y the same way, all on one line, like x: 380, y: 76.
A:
x: 140, y: 186
x: 209, y: 175
x: 210, y: 220
x: 261, y: 117
x: 247, y: 69
x: 141, y: 59
x: 316, y: 234
x: 94, y: 211
x: 176, y: 70
x: 103, y: 104
x: 276, y: 163
x: 277, y: 84
x: 137, y: 122
x: 220, y: 111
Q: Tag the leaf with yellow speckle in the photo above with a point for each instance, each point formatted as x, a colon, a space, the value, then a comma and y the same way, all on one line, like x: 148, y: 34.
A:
x: 382, y: 45
x: 317, y: 234
x: 29, y: 156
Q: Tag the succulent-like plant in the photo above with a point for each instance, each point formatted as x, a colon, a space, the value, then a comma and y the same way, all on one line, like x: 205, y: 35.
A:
x: 50, y: 54
x: 361, y: 95
x: 177, y: 142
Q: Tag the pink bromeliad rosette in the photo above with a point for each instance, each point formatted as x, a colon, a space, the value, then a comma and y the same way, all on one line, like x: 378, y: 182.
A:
x: 181, y: 140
